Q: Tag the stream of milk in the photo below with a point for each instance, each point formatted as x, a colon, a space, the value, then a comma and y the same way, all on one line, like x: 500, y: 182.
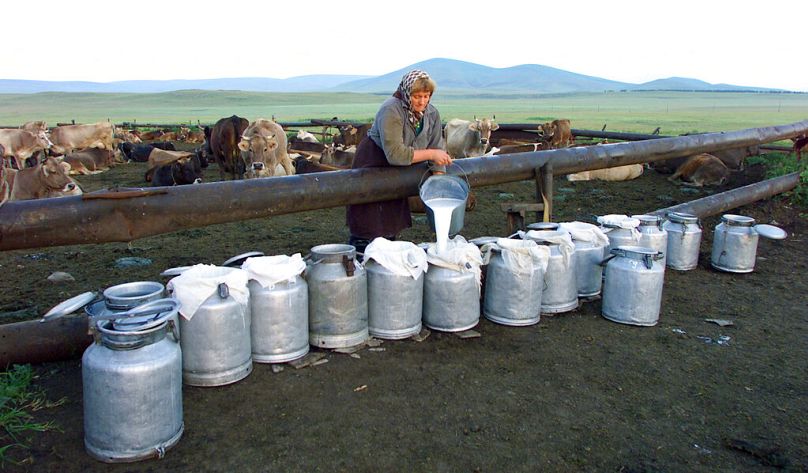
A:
x: 442, y: 209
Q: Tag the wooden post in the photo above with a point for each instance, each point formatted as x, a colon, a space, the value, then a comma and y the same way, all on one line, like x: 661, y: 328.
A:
x: 544, y: 191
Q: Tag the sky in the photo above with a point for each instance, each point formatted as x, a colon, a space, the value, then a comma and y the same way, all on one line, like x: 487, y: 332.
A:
x: 740, y: 42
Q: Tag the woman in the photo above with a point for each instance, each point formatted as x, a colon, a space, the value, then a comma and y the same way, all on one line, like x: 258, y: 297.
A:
x: 406, y: 130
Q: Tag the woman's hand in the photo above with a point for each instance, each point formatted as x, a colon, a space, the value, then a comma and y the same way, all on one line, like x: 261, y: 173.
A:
x: 440, y: 157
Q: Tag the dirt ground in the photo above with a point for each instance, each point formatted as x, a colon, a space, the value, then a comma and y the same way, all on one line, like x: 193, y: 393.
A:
x: 574, y: 392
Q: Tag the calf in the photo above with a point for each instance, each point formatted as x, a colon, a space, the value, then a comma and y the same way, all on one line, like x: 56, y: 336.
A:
x: 556, y: 133
x: 619, y: 173
x: 47, y: 179
x: 465, y: 138
x: 350, y: 135
x: 702, y: 170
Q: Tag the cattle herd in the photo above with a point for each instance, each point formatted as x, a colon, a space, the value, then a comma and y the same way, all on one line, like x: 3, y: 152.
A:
x: 38, y: 161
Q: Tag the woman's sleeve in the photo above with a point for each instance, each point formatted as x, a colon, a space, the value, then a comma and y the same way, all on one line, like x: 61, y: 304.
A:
x: 391, y: 132
x: 436, y: 140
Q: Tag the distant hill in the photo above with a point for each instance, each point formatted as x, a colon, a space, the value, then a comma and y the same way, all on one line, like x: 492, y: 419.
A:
x: 453, y: 77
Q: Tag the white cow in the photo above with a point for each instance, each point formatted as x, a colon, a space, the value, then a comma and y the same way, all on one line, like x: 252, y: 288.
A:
x: 465, y: 138
x: 263, y: 148
x: 619, y: 173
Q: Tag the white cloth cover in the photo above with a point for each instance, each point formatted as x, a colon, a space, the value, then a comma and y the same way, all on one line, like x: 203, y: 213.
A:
x: 460, y: 256
x: 201, y: 281
x: 622, y: 221
x: 520, y: 256
x: 581, y: 231
x: 555, y: 237
x: 402, y: 258
x: 270, y: 270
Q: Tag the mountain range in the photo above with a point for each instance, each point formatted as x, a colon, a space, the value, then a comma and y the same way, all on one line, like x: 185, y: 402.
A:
x: 453, y: 77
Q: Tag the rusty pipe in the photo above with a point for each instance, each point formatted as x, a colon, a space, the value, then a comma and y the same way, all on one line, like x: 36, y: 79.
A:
x: 104, y: 217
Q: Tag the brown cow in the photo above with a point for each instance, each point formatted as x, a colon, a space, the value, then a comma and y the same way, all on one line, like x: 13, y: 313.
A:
x: 152, y: 135
x: 556, y: 133
x: 732, y: 158
x: 35, y: 126
x: 68, y: 138
x: 800, y: 143
x: 20, y: 145
x: 47, y: 179
x: 91, y: 160
x: 702, y: 170
x: 263, y: 148
x: 350, y: 135
x: 224, y: 145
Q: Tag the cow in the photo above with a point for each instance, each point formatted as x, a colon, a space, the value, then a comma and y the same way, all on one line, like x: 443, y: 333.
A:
x: 151, y: 135
x: 35, y: 126
x: 18, y: 145
x: 800, y: 143
x: 189, y: 136
x: 47, y: 179
x: 350, y: 135
x: 91, y: 160
x: 170, y: 136
x: 303, y: 135
x: 702, y: 170
x: 339, y: 157
x: 465, y: 138
x: 619, y: 173
x: 263, y: 147
x: 68, y: 138
x: 140, y: 152
x: 224, y: 145
x: 128, y: 136
x: 732, y: 158
x: 173, y: 168
x: 557, y: 133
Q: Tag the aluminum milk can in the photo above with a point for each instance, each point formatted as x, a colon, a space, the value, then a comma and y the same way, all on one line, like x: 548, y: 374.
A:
x: 395, y: 302
x: 132, y: 382
x: 614, y: 226
x: 126, y: 296
x: 735, y: 243
x: 632, y: 287
x: 338, y: 297
x: 215, y: 341
x: 512, y: 298
x: 560, y: 293
x: 652, y: 235
x: 684, y: 239
x: 280, y: 321
x: 451, y: 299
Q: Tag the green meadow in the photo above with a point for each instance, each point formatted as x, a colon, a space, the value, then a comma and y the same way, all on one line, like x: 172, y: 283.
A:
x: 640, y: 112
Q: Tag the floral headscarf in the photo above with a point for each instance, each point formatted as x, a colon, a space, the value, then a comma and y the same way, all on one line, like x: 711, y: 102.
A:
x: 405, y: 90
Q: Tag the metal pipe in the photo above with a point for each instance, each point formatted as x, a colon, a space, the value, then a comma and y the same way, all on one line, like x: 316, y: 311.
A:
x: 719, y: 203
x: 35, y: 342
x: 123, y: 217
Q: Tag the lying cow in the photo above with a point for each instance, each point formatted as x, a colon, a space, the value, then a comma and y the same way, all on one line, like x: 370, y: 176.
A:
x: 140, y: 152
x: 263, y: 146
x: 557, y: 133
x: 702, y: 170
x: 465, y: 138
x: 68, y: 138
x: 152, y: 135
x: 19, y: 145
x: 47, y: 179
x: 350, y: 135
x: 173, y: 168
x: 91, y: 160
x: 619, y: 173
x: 732, y: 158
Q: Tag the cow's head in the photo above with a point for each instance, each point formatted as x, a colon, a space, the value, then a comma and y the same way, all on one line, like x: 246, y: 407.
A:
x: 187, y: 170
x: 55, y: 175
x: 259, y: 149
x: 546, y: 130
x: 483, y: 128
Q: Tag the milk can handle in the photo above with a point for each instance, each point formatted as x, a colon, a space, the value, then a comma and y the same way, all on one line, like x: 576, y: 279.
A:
x: 608, y: 258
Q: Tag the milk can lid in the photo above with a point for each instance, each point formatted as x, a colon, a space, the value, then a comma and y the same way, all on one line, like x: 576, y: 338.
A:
x: 543, y: 226
x: 176, y: 271
x: 647, y: 219
x: 237, y: 260
x: 770, y: 231
x: 681, y: 217
x: 69, y: 306
x: 738, y: 220
x: 127, y: 295
x: 484, y: 240
x: 146, y: 316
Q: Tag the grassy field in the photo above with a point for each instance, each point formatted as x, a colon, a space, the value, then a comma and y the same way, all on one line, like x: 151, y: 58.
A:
x: 641, y: 112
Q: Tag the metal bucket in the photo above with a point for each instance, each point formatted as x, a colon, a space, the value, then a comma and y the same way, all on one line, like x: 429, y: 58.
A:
x: 632, y: 288
x: 395, y: 302
x: 280, y: 321
x: 588, y: 271
x: 216, y: 348
x: 511, y: 298
x: 684, y: 239
x: 735, y: 243
x: 445, y: 187
x: 132, y: 387
x: 451, y: 302
x: 338, y: 297
x: 652, y: 235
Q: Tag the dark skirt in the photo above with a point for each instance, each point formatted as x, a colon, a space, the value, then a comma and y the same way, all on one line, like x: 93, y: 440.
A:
x: 376, y: 219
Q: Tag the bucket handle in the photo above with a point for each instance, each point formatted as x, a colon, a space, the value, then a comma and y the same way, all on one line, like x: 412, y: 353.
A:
x: 454, y: 162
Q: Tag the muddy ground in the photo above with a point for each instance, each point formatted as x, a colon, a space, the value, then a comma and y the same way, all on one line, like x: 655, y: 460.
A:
x: 573, y: 393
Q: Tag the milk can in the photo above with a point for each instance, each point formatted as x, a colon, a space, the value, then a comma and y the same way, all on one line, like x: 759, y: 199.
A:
x: 620, y: 229
x: 684, y: 239
x: 632, y: 287
x: 652, y: 235
x: 590, y: 250
x: 560, y: 292
x: 122, y: 297
x: 514, y: 281
x: 132, y: 381
x: 735, y: 243
x: 452, y: 287
x: 395, y: 273
x: 279, y: 308
x: 338, y: 297
x: 215, y: 324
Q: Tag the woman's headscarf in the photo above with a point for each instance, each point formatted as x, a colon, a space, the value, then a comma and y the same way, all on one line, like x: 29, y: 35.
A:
x: 404, y: 92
